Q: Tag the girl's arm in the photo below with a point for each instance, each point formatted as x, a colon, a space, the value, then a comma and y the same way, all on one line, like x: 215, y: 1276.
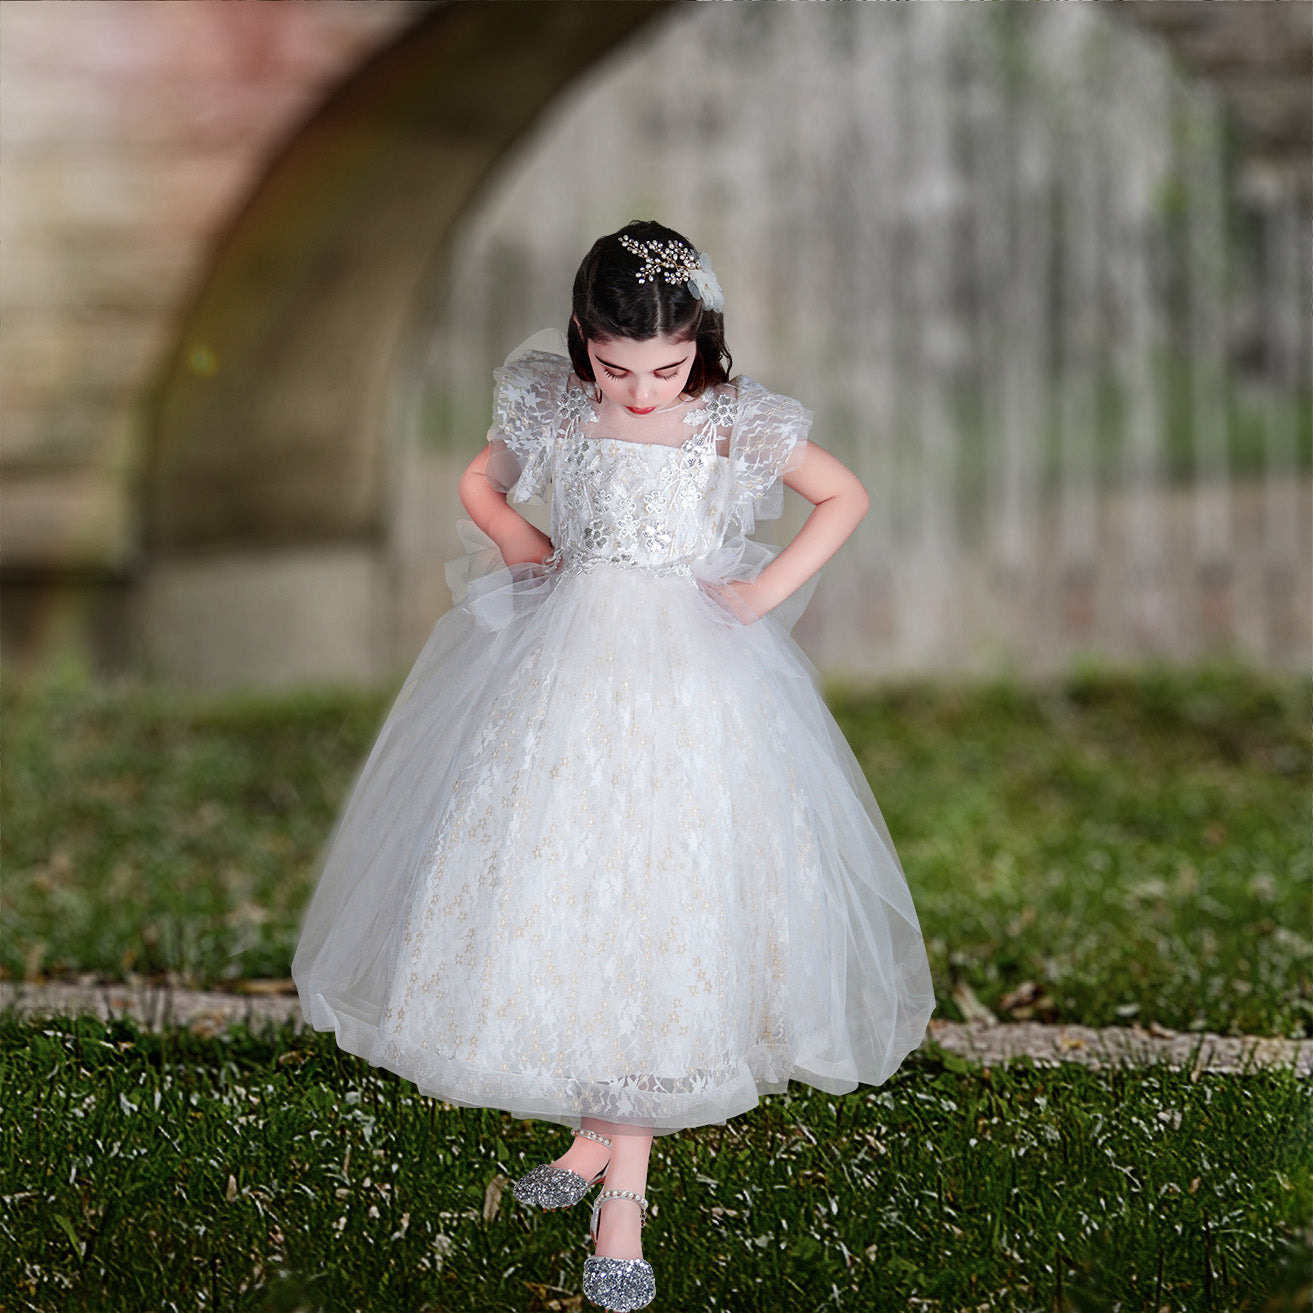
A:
x: 517, y: 539
x: 840, y: 502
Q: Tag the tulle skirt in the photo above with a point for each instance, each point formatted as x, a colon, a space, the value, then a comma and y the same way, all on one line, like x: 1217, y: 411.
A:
x: 611, y: 857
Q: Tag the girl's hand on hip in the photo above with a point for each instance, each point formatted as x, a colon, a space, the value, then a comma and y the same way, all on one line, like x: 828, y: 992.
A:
x: 740, y: 597
x: 523, y: 544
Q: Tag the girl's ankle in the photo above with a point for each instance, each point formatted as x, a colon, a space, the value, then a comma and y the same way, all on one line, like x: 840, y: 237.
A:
x: 619, y: 1235
x: 587, y: 1157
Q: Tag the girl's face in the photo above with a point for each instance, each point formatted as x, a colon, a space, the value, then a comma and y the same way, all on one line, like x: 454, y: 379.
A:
x: 642, y: 377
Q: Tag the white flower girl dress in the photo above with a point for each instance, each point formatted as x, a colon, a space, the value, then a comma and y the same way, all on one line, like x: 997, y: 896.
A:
x: 610, y: 856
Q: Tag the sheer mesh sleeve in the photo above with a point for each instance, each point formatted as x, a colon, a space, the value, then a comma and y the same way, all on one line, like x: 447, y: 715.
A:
x: 768, y: 440
x: 525, y: 407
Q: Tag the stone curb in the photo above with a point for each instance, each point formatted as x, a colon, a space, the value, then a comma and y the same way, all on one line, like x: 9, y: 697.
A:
x: 980, y: 1043
x: 989, y: 1044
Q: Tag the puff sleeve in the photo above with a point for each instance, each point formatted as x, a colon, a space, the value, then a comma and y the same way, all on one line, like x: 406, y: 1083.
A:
x: 525, y: 411
x: 768, y: 439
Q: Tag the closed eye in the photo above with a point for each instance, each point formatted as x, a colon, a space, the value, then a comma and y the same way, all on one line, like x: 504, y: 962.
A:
x: 666, y: 377
x: 665, y: 371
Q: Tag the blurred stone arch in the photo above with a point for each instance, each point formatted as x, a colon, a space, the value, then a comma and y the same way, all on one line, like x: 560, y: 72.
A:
x: 270, y: 488
x: 282, y: 527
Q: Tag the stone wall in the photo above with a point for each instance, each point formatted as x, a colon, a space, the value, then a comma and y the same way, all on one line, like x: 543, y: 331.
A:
x: 215, y: 220
x: 1257, y: 54
x: 195, y: 475
x: 131, y: 135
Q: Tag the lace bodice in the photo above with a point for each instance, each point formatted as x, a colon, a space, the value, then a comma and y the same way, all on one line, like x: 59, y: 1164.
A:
x: 658, y: 492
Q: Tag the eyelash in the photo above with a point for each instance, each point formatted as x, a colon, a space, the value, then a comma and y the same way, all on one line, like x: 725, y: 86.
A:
x: 665, y: 378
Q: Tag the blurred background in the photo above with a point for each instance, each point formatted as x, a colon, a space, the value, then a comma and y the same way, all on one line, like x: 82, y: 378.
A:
x: 1042, y: 272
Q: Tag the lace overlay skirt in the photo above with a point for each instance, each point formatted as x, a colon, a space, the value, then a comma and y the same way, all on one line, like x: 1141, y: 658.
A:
x: 611, y: 857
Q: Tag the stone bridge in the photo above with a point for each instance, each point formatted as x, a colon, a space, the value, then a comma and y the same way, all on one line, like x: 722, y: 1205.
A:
x: 215, y: 218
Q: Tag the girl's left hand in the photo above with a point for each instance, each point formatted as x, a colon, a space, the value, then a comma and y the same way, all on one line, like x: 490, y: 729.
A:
x: 742, y: 598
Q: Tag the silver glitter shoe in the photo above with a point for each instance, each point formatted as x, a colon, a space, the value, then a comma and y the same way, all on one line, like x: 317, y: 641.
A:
x: 619, y: 1284
x: 547, y: 1187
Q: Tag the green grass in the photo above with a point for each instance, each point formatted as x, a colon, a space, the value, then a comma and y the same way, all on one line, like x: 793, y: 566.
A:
x: 261, y: 1169
x: 1137, y: 845
x: 149, y: 832
x: 1104, y: 848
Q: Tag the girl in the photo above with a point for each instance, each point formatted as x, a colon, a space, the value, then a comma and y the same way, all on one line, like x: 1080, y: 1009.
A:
x: 610, y: 863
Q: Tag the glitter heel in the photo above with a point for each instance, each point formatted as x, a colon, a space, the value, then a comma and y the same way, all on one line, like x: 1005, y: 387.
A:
x: 619, y: 1284
x: 546, y: 1186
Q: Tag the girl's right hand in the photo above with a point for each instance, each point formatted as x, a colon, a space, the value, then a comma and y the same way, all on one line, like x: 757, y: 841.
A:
x: 522, y: 544
x: 519, y: 542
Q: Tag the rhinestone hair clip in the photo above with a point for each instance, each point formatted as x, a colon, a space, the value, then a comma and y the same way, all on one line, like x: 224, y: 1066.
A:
x: 677, y: 263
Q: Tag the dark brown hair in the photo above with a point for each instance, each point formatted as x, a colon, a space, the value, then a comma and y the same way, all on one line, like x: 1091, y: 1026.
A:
x: 610, y: 302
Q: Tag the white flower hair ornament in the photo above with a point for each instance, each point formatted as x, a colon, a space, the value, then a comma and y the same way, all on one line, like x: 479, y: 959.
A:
x: 674, y: 262
x: 705, y: 285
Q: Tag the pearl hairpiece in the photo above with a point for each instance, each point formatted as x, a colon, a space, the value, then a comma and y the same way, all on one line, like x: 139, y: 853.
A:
x: 677, y: 263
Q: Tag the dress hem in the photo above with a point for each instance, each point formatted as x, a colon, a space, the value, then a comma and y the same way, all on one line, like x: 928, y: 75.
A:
x: 362, y: 1039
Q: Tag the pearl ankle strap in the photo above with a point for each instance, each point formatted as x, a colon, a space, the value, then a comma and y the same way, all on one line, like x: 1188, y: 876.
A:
x: 593, y: 1135
x: 640, y: 1200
